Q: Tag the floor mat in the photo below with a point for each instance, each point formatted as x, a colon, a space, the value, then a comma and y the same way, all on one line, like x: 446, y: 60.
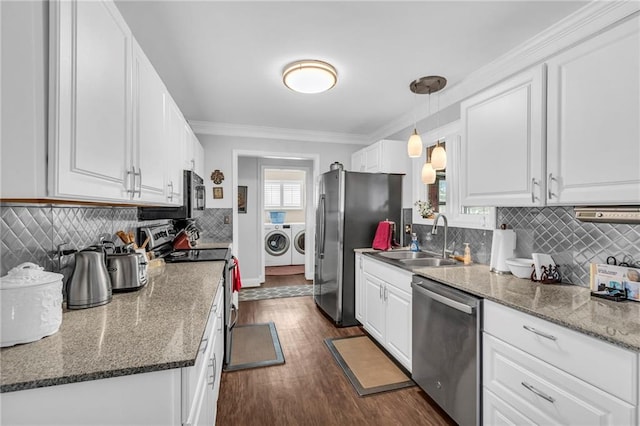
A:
x: 249, y: 293
x: 368, y: 368
x: 255, y: 345
x: 284, y: 270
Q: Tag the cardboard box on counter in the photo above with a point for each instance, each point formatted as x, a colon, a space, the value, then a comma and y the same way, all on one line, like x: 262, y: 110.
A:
x: 618, y: 277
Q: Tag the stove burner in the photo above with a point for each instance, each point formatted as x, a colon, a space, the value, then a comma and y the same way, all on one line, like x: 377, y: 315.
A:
x: 179, y: 254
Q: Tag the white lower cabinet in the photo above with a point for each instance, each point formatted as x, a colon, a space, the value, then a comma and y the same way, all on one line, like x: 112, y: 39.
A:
x: 537, y: 372
x: 359, y: 288
x: 499, y: 413
x: 387, y: 308
x: 201, y: 383
x: 171, y: 397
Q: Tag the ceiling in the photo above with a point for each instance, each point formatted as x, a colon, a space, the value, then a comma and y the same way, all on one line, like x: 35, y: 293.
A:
x: 222, y: 61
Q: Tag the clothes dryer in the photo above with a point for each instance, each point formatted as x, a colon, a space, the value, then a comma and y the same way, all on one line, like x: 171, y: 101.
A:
x: 277, y: 244
x: 298, y: 237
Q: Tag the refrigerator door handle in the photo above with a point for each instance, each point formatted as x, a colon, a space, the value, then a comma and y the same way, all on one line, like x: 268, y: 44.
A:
x: 322, y: 226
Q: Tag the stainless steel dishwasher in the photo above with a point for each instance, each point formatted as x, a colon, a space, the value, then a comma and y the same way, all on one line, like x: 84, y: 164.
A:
x: 446, y: 348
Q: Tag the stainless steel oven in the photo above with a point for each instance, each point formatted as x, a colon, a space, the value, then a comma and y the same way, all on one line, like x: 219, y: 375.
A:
x: 161, y: 239
x: 192, y: 203
x: 446, y: 348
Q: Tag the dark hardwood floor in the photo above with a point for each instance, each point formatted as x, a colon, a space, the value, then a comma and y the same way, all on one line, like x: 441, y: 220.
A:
x: 310, y: 388
x: 282, y: 280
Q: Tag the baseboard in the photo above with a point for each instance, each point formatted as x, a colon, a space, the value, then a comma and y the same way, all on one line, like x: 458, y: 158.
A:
x: 250, y: 282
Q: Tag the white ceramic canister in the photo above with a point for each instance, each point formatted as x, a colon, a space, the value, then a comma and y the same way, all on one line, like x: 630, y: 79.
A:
x: 31, y: 300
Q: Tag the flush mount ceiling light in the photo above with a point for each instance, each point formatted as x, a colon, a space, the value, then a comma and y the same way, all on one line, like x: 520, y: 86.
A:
x: 309, y: 76
x: 422, y: 86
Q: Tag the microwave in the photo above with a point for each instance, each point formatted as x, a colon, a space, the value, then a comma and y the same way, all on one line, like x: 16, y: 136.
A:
x: 192, y: 203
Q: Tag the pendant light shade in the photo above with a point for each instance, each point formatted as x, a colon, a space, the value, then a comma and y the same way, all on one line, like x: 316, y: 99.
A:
x: 428, y: 174
x: 414, y: 146
x: 309, y: 76
x: 439, y: 157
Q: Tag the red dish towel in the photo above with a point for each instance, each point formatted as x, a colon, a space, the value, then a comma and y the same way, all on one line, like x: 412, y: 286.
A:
x: 384, y: 233
x: 237, y: 282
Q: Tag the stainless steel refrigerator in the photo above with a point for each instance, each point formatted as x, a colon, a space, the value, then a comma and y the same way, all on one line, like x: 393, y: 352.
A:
x: 350, y: 206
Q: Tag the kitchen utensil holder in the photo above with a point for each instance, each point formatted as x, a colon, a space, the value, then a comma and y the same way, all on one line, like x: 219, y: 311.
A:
x: 550, y: 275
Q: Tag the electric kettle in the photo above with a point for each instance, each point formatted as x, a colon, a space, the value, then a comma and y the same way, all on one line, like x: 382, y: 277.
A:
x: 90, y: 284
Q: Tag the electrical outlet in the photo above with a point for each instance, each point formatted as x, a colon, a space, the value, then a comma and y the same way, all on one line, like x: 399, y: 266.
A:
x: 227, y: 219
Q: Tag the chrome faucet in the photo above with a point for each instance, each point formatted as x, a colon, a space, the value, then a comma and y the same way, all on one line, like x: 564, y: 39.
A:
x: 434, y: 231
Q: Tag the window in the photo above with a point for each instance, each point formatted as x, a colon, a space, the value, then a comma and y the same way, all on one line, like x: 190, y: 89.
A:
x: 283, y: 194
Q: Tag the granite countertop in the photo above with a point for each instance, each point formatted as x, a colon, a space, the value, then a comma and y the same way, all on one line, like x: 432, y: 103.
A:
x: 568, y: 305
x: 204, y: 243
x: 156, y: 328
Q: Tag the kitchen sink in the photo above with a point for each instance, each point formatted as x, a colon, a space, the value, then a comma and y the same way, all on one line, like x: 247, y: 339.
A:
x: 429, y: 261
x: 405, y: 255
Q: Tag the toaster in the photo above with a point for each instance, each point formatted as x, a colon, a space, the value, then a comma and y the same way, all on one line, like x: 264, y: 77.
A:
x: 128, y: 271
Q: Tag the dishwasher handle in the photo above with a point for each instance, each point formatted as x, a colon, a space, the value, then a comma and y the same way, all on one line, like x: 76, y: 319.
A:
x: 459, y: 306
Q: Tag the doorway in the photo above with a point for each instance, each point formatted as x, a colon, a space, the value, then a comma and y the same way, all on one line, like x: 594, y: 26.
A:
x: 250, y: 221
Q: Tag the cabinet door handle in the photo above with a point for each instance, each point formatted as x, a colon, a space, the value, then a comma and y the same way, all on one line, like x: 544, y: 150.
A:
x: 206, y: 343
x: 133, y: 191
x: 140, y: 182
x: 380, y: 292
x: 550, y: 179
x: 213, y: 371
x: 539, y: 393
x: 386, y: 294
x: 540, y: 333
x: 533, y: 194
x: 170, y: 186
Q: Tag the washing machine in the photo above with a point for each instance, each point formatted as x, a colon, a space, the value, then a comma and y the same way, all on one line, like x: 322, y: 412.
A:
x: 297, y: 235
x: 277, y: 244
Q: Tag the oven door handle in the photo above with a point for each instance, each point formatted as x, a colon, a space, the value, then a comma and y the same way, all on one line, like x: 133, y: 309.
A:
x: 234, y: 315
x: 459, y: 306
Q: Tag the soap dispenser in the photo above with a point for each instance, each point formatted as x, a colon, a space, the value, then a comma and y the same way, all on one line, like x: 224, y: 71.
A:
x: 414, y: 243
x: 467, y: 254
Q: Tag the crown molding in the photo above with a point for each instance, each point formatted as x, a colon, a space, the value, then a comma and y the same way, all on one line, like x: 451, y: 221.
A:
x: 263, y: 132
x: 588, y: 21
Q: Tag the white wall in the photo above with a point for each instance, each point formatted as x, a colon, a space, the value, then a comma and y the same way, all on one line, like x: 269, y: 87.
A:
x: 248, y: 224
x: 218, y: 155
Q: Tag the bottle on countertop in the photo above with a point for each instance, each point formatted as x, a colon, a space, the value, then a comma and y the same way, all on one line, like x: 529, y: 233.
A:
x: 467, y: 254
x: 414, y: 243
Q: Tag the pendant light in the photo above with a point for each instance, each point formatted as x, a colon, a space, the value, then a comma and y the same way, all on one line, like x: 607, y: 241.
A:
x: 428, y: 174
x: 423, y: 86
x: 438, y: 155
x: 414, y: 146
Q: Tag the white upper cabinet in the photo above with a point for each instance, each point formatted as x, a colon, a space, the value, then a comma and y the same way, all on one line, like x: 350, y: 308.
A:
x: 150, y: 140
x: 115, y: 133
x: 198, y: 158
x: 503, y: 143
x: 177, y: 138
x: 579, y: 146
x: 192, y: 152
x: 90, y: 99
x: 593, y: 118
x: 385, y: 156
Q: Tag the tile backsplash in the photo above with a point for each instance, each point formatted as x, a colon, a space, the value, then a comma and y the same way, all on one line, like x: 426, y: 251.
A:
x: 572, y: 244
x: 552, y: 230
x: 32, y: 233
